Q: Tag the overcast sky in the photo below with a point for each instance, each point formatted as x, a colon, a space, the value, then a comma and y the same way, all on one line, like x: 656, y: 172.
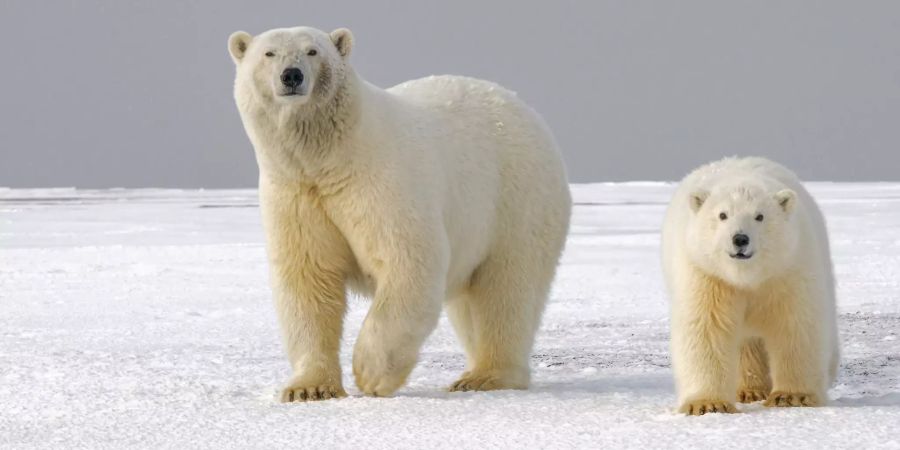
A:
x: 138, y: 93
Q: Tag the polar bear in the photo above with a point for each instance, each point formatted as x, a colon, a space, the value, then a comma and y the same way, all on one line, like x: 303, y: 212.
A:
x: 442, y: 191
x: 748, y: 268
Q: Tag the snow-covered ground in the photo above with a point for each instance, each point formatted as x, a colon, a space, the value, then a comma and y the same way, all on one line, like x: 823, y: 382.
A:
x: 142, y: 318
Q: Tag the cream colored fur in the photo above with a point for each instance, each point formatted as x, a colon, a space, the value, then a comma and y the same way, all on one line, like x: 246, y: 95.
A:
x: 440, y: 191
x: 757, y: 328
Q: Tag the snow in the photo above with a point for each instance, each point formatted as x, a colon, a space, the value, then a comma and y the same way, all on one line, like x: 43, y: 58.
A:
x: 143, y: 319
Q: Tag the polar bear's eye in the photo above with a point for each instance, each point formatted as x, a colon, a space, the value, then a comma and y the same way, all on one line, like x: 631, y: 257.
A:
x: 312, y: 52
x: 270, y: 54
x: 723, y: 216
x: 759, y: 217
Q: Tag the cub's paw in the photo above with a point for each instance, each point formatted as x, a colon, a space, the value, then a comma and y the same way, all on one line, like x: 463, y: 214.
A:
x: 489, y: 381
x: 701, y: 407
x: 750, y: 395
x: 785, y: 399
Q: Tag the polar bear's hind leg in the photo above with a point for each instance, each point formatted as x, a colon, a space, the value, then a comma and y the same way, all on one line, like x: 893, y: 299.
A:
x: 496, y: 320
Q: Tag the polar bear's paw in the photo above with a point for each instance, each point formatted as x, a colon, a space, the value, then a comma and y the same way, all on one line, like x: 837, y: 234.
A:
x: 750, y: 395
x: 378, y: 381
x: 786, y: 399
x: 379, y: 374
x: 298, y: 393
x: 701, y: 406
x: 488, y: 381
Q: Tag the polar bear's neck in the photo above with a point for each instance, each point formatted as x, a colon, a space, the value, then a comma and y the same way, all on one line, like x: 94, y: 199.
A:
x: 299, y: 143
x: 318, y: 128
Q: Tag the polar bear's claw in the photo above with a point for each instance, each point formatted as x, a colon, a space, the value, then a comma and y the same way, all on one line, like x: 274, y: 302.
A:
x: 701, y: 407
x: 786, y: 399
x: 484, y: 382
x: 311, y: 393
x: 751, y: 395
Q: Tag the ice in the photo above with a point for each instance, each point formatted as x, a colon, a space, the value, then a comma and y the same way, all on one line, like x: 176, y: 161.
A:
x: 143, y: 319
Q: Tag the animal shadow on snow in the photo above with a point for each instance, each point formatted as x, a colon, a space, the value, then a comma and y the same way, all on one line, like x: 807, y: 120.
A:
x: 643, y: 385
x: 890, y: 399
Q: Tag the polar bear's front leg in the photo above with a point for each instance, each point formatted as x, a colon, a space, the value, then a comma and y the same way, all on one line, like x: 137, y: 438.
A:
x: 311, y: 325
x: 755, y: 382
x: 403, y: 313
x: 798, y: 377
x: 705, y: 347
x: 309, y: 260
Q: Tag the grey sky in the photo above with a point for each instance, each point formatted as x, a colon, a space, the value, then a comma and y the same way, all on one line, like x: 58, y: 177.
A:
x: 138, y: 93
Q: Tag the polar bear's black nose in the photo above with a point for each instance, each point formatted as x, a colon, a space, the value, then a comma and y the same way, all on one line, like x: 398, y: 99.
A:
x: 740, y: 240
x: 292, y: 77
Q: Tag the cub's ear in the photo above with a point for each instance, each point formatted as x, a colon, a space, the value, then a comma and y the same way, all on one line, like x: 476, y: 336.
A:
x: 237, y: 45
x: 343, y: 40
x: 786, y: 198
x: 697, y: 199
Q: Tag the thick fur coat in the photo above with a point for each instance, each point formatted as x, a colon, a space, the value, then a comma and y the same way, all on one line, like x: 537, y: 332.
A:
x: 748, y: 269
x: 440, y: 192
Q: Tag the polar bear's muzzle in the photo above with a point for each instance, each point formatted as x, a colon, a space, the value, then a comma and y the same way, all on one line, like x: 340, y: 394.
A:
x: 291, y: 82
x: 741, y: 244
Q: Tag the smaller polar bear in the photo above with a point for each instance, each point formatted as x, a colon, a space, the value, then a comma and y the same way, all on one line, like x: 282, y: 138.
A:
x: 748, y: 269
x: 439, y: 192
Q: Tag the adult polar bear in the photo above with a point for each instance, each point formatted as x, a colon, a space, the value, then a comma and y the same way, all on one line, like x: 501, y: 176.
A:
x: 748, y: 268
x: 444, y: 189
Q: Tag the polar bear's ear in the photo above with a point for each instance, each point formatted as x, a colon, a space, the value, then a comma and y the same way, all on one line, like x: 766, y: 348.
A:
x: 343, y: 40
x: 697, y: 199
x: 786, y: 198
x: 237, y: 45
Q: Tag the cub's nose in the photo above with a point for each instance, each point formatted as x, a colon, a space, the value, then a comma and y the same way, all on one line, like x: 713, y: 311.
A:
x: 740, y: 240
x: 292, y: 77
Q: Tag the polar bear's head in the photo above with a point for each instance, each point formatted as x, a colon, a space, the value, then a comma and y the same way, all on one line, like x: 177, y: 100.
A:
x: 743, y: 234
x: 290, y: 66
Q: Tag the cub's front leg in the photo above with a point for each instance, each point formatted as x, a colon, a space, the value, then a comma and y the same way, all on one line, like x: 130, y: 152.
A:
x: 705, y: 351
x: 309, y: 261
x: 798, y: 348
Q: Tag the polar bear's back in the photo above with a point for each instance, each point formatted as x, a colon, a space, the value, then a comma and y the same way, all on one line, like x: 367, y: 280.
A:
x: 456, y: 91
x: 737, y: 170
x: 477, y: 105
x: 480, y: 121
x: 504, y: 179
x: 484, y: 117
x: 768, y: 173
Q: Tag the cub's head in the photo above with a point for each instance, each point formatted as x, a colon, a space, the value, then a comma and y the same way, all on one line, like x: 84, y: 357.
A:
x: 742, y: 234
x: 290, y: 66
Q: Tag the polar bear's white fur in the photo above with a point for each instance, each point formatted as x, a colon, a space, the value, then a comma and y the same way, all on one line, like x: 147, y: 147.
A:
x: 443, y: 190
x: 748, y: 269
